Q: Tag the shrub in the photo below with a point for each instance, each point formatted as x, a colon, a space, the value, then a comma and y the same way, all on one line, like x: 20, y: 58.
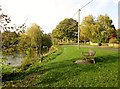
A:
x: 113, y: 40
x: 29, y: 60
x: 53, y: 48
x: 7, y: 69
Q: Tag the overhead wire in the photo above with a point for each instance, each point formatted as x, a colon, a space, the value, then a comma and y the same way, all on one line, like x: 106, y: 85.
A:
x: 82, y: 8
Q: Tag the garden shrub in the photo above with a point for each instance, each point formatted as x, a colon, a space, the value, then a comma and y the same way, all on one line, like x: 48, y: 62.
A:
x: 7, y: 69
x: 52, y: 48
x: 113, y: 40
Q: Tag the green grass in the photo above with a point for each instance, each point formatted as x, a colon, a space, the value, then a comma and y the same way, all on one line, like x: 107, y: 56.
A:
x: 62, y: 72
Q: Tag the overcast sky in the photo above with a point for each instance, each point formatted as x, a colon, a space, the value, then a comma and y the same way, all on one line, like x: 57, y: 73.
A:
x: 48, y: 13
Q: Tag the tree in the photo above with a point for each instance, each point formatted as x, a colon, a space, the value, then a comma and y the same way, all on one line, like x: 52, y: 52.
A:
x: 34, y: 39
x: 46, y: 42
x: 106, y: 28
x: 87, y: 28
x: 5, y: 20
x: 35, y: 34
x: 9, y: 41
x: 30, y: 44
x: 9, y: 34
x: 66, y: 29
x: 0, y: 40
x: 100, y: 30
x: 34, y: 43
x: 24, y: 43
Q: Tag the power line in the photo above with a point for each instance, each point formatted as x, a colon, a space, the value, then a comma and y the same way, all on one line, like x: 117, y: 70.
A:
x: 82, y: 8
x: 75, y: 14
x: 79, y: 22
x: 86, y: 4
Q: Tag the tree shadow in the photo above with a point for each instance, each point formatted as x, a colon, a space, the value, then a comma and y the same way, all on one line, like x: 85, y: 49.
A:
x: 106, y: 59
x: 55, y: 71
x: 58, y: 71
x: 57, y: 75
x: 22, y: 74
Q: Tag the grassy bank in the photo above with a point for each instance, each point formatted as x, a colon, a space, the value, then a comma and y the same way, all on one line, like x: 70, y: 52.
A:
x: 61, y: 71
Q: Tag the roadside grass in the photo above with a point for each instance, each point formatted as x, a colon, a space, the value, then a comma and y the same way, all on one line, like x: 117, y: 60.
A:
x: 61, y: 71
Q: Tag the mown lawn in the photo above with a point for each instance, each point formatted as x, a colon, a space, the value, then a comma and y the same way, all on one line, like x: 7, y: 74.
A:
x: 61, y: 71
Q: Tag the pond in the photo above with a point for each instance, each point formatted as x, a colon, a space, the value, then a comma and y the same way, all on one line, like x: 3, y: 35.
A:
x: 14, y: 60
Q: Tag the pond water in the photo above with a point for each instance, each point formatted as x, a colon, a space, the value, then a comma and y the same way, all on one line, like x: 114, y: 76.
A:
x: 14, y: 60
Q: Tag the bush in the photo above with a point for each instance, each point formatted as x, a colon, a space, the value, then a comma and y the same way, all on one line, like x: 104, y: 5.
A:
x: 53, y: 48
x: 3, y: 59
x: 7, y: 69
x: 113, y: 40
x: 29, y: 60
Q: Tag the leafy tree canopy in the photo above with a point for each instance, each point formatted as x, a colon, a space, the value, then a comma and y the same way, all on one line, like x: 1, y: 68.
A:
x: 99, y: 30
x: 67, y: 28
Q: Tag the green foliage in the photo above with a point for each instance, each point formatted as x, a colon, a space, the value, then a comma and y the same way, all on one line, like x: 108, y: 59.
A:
x: 100, y: 30
x: 9, y: 41
x: 36, y: 40
x: 46, y: 42
x: 66, y: 29
x: 3, y: 59
x: 35, y: 34
x: 31, y: 40
x: 87, y: 28
x: 7, y: 69
x: 106, y: 26
x: 53, y: 48
x: 57, y: 33
x: 34, y: 44
x: 24, y: 43
x: 113, y: 40
x: 29, y: 60
x: 9, y: 38
x: 55, y: 41
x: 118, y: 35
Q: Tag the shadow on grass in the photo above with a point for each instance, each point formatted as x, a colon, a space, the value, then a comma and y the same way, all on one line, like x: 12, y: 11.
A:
x: 106, y: 59
x: 58, y: 71
x: 63, y: 70
x: 21, y: 75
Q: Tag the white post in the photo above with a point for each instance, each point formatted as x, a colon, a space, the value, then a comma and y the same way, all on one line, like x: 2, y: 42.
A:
x: 78, y: 28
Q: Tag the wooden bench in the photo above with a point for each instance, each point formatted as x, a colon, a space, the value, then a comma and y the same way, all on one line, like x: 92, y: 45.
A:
x: 89, y: 55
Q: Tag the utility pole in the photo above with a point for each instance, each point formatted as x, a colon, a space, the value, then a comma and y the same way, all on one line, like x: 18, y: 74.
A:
x: 79, y: 22
x: 78, y: 28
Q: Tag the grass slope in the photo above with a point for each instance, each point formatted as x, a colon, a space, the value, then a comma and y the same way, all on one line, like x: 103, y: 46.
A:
x: 62, y: 72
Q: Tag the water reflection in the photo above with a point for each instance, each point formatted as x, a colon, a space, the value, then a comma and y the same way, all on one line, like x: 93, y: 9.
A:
x: 14, y: 60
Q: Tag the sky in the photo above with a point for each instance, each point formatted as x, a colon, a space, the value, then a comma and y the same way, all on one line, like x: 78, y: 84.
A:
x: 48, y: 13
x: 119, y: 14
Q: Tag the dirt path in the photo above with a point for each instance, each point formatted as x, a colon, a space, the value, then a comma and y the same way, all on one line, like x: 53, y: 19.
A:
x: 102, y: 47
